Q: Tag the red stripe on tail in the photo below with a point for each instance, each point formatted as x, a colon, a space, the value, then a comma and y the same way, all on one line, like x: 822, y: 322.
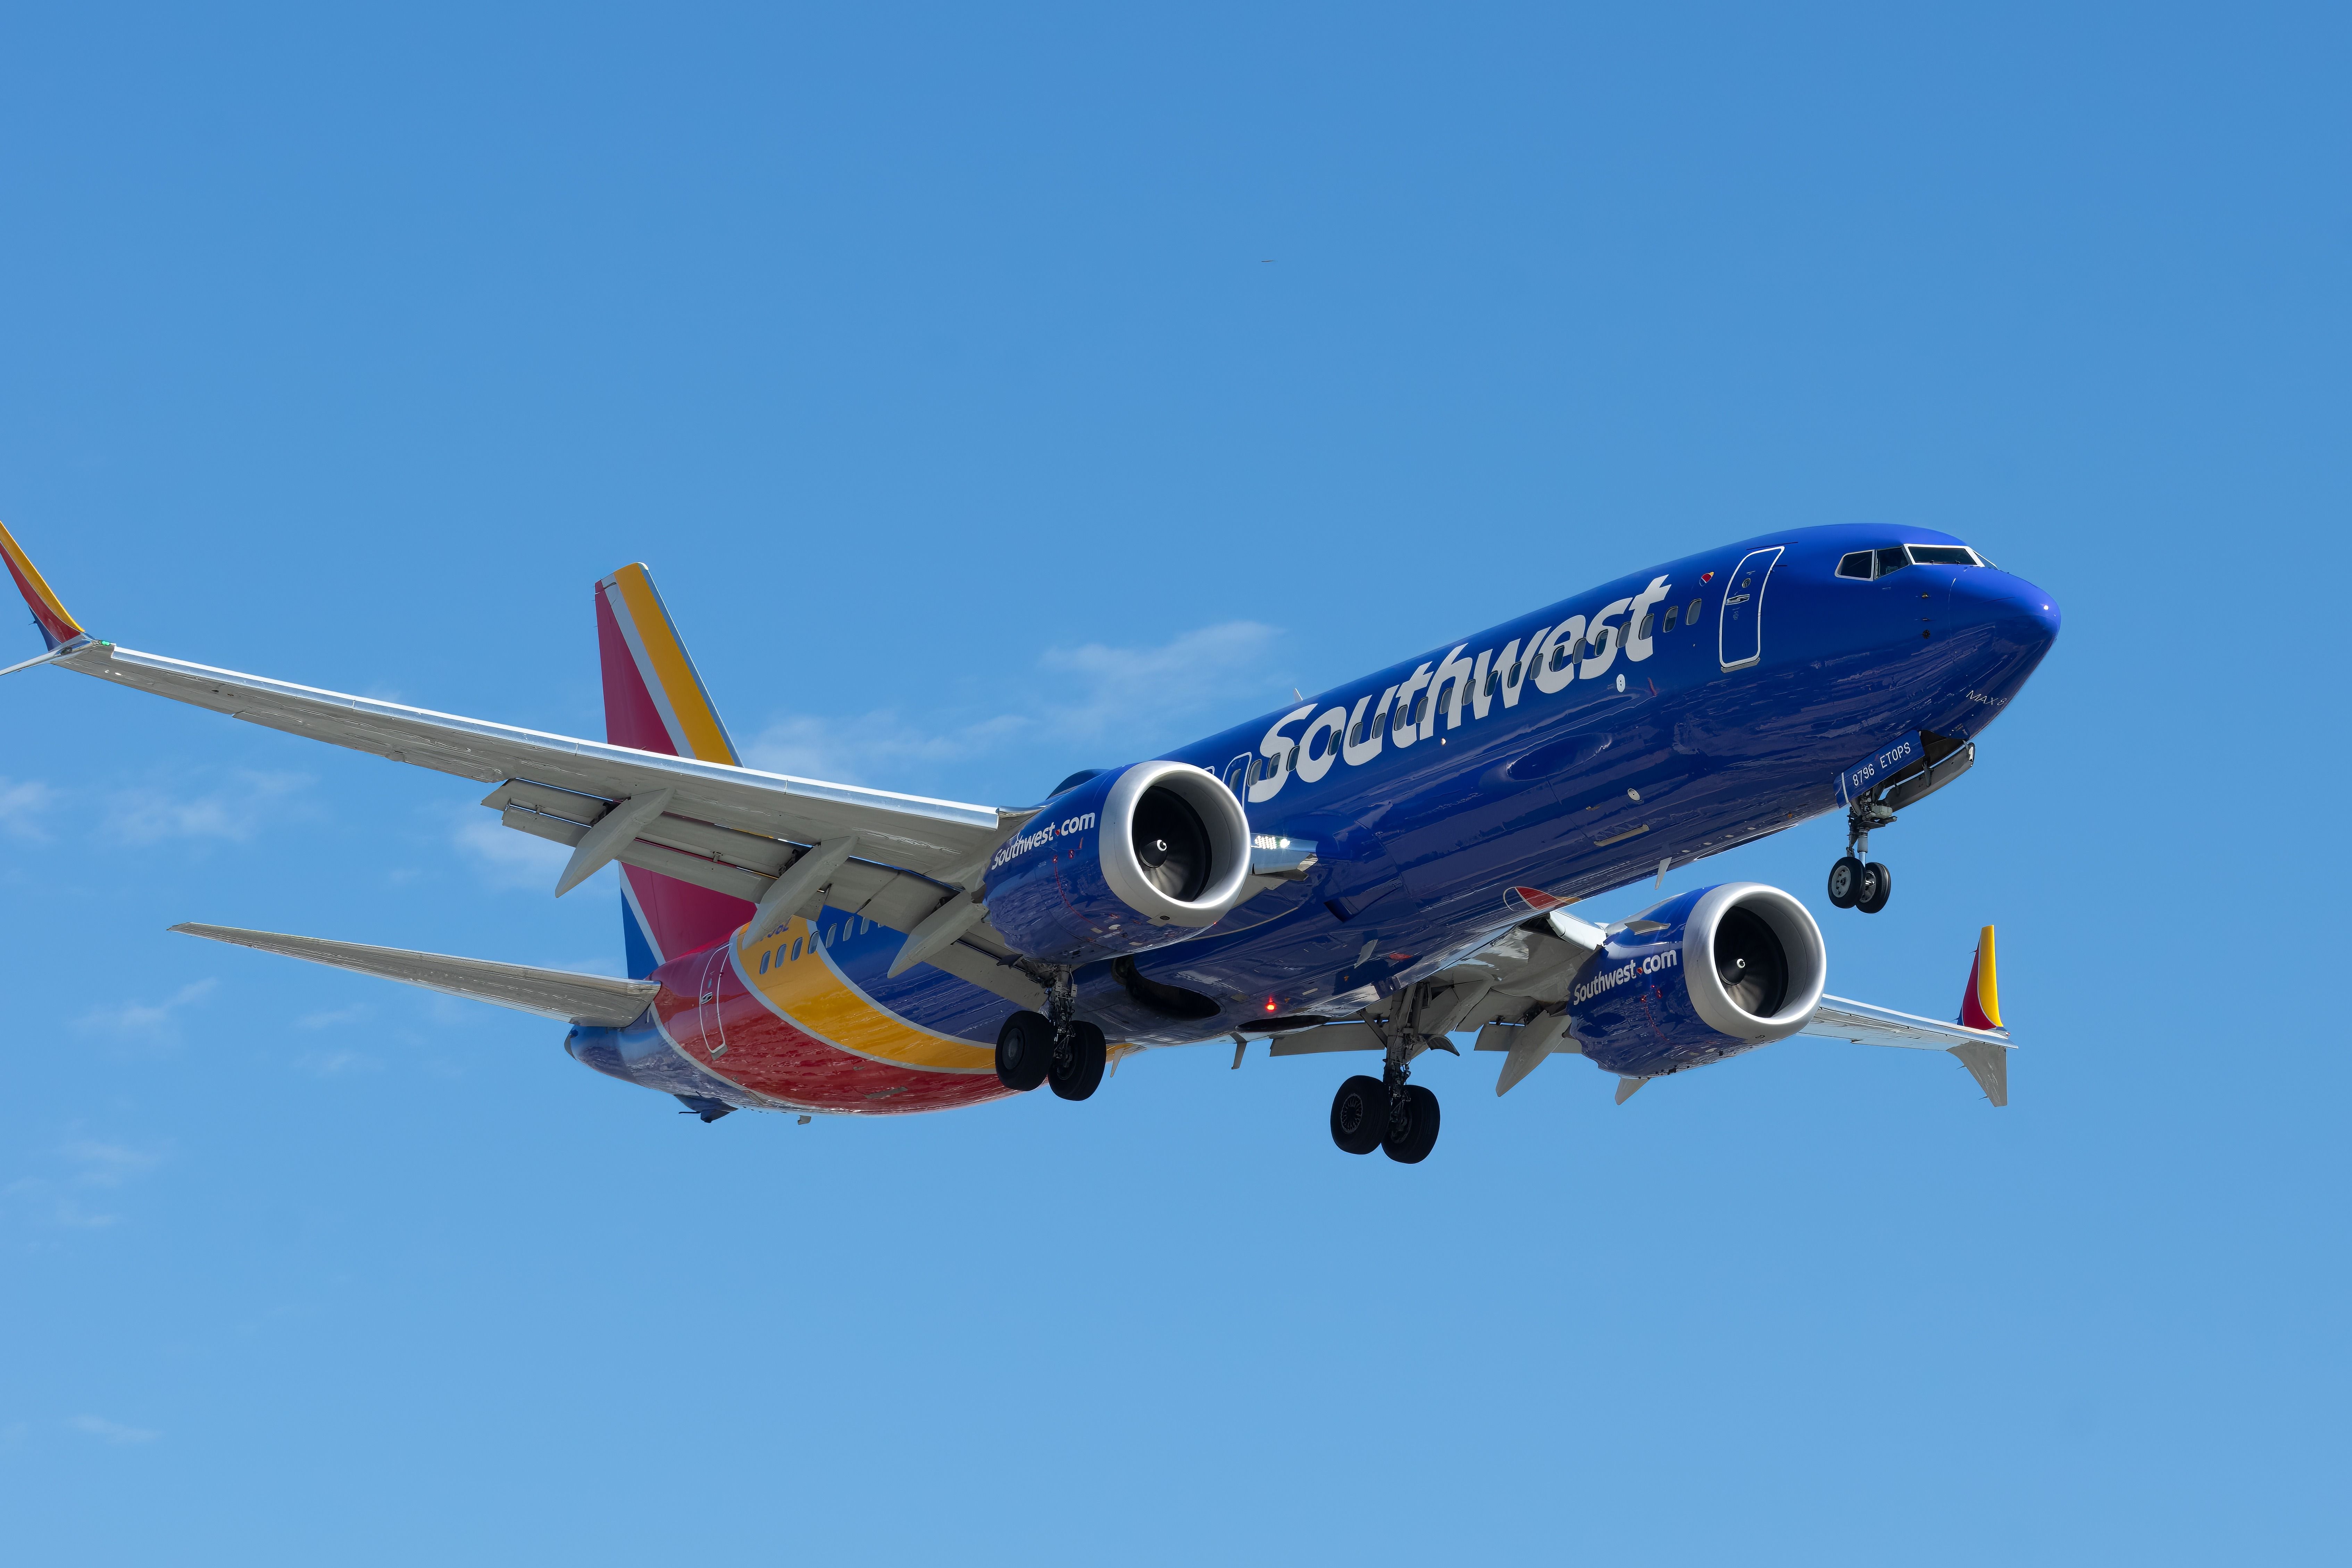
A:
x: 679, y: 918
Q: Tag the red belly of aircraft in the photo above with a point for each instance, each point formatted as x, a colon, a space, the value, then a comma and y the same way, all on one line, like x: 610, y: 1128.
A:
x: 738, y: 1037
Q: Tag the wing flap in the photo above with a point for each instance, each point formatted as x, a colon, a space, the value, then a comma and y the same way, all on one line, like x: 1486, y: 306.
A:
x: 592, y: 999
x: 741, y: 865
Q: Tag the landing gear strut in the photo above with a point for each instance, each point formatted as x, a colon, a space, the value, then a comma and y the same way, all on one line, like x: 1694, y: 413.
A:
x: 1055, y: 1047
x: 1855, y: 884
x: 1387, y: 1112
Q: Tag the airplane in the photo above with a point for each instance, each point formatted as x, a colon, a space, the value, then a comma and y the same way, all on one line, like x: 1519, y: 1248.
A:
x: 1375, y: 869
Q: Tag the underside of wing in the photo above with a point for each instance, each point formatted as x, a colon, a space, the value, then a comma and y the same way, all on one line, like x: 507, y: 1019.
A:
x: 593, y: 999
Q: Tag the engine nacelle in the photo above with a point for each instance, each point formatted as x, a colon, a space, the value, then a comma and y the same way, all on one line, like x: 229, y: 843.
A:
x: 1133, y: 859
x: 1705, y: 975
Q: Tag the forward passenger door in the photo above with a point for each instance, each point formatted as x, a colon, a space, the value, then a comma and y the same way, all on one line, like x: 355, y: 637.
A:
x: 1739, y: 626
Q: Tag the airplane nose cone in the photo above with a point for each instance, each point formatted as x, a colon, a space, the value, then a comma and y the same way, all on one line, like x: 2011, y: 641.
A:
x: 2017, y: 612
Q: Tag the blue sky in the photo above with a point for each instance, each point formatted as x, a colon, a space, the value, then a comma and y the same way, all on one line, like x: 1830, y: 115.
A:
x: 995, y: 394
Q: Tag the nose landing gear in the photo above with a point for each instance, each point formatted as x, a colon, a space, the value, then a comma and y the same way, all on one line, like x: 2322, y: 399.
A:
x: 1855, y: 884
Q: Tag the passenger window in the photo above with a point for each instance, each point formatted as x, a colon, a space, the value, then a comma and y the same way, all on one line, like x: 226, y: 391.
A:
x: 1515, y: 670
x: 1690, y: 617
x: 764, y: 960
x: 1674, y: 613
x: 1493, y: 680
x: 1857, y: 565
x: 1892, y: 560
x: 1257, y: 769
x: 1646, y: 622
x: 796, y: 950
x: 1943, y: 555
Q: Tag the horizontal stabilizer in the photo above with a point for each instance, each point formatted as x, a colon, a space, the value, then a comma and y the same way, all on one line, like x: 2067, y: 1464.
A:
x: 552, y: 992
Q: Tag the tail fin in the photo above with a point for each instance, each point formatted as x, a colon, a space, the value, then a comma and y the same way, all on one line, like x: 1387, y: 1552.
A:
x: 1980, y: 1002
x: 655, y: 701
x: 57, y: 627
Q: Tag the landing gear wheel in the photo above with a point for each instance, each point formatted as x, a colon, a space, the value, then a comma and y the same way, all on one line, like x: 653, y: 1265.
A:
x: 1024, y: 1051
x: 1077, y: 1068
x: 1359, y: 1115
x: 1845, y: 881
x: 1412, y: 1132
x: 1877, y: 887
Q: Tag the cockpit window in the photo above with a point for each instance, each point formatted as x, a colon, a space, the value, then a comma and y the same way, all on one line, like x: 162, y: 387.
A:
x: 1870, y: 564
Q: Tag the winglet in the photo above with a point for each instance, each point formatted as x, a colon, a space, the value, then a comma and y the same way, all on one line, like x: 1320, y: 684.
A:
x: 57, y: 627
x: 1981, y: 1002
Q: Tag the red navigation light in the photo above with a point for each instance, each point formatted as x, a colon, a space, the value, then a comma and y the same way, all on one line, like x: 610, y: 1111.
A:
x: 1269, y: 1005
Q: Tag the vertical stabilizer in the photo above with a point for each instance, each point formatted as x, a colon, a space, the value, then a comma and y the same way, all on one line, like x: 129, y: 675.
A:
x: 655, y: 700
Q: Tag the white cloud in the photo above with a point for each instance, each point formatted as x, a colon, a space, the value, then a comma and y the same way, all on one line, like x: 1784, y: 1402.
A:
x: 334, y: 1018
x: 99, y: 1165
x: 21, y: 805
x: 337, y: 1063
x: 148, y: 815
x: 154, y: 1022
x: 504, y: 858
x: 1094, y: 693
x: 111, y: 1431
x: 91, y: 1166
x: 1177, y: 676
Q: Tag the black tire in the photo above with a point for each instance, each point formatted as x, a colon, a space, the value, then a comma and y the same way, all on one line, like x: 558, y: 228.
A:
x: 1878, y: 887
x: 1845, y: 881
x: 1024, y: 1051
x: 1359, y: 1115
x: 1410, y: 1142
x: 1077, y: 1072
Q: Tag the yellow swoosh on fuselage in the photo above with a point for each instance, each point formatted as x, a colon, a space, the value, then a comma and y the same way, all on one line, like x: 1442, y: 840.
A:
x: 817, y: 996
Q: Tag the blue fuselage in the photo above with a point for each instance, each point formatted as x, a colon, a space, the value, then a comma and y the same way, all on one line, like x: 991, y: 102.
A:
x: 1579, y: 771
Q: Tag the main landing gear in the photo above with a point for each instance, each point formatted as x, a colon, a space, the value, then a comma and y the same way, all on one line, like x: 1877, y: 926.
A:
x: 1387, y: 1114
x: 1062, y: 1050
x: 1855, y: 884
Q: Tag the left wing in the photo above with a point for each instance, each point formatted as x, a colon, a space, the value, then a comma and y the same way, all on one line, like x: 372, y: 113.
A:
x: 939, y: 838
x: 902, y: 860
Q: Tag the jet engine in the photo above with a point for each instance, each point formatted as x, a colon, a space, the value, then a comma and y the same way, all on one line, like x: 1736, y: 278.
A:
x: 1131, y: 858
x: 1705, y: 975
